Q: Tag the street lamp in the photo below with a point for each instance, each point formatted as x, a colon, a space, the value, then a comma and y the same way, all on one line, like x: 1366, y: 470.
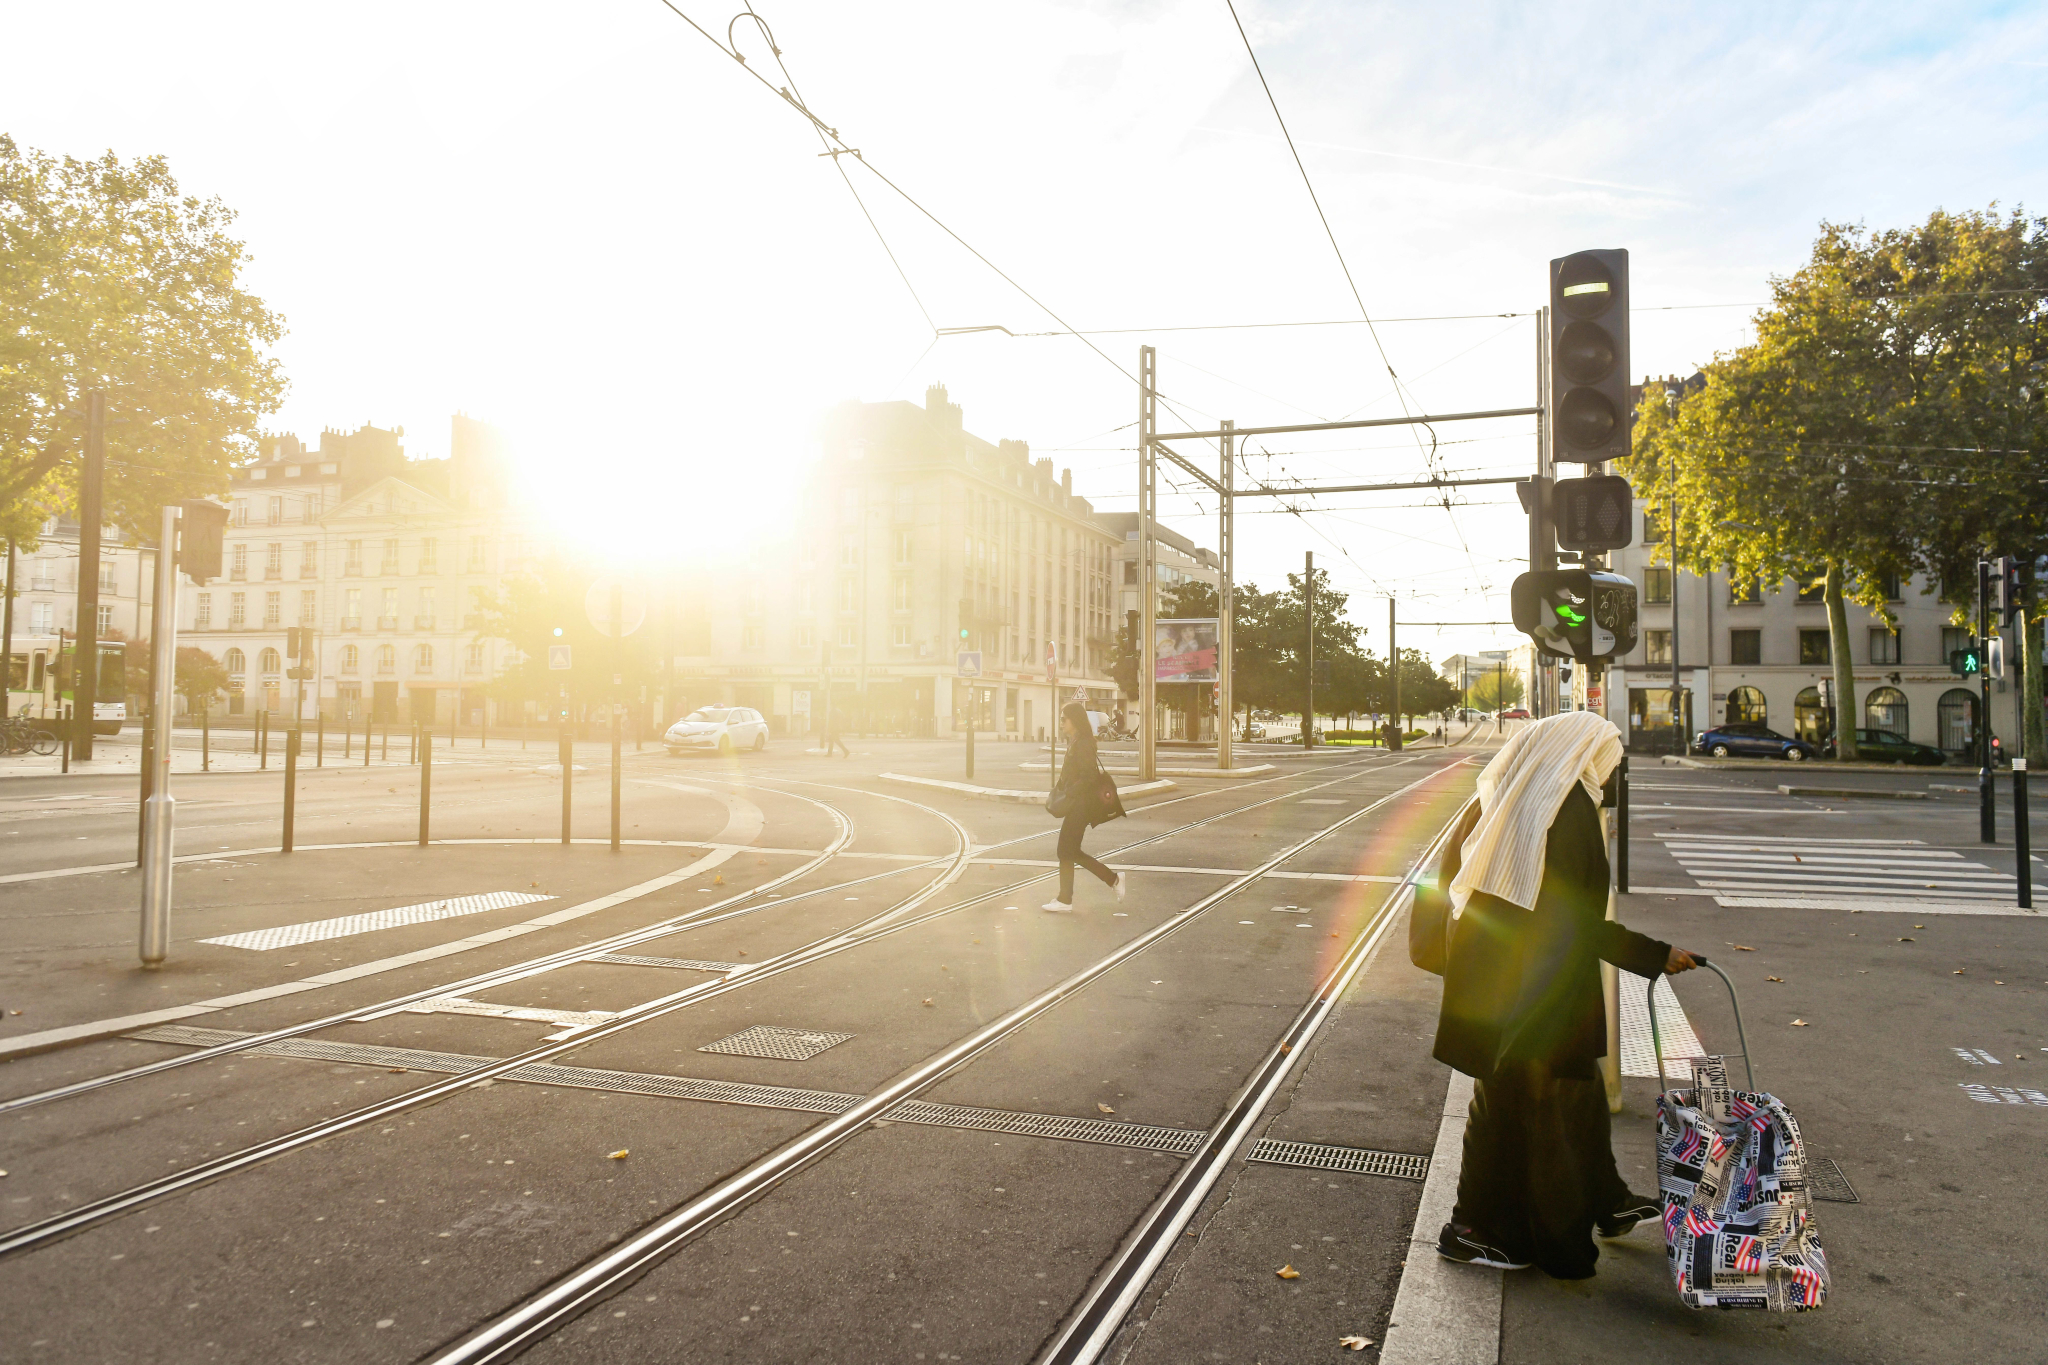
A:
x: 1672, y: 393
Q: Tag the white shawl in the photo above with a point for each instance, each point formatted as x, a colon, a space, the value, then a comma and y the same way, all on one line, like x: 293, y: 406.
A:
x: 1520, y: 794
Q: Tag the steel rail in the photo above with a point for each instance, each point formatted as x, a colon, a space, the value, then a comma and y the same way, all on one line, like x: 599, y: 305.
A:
x: 1095, y: 1321
x: 520, y: 1327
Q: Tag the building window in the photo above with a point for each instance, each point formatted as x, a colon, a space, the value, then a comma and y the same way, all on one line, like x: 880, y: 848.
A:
x: 351, y: 658
x: 1656, y: 583
x: 849, y: 551
x: 241, y: 514
x: 849, y: 634
x: 430, y: 554
x: 104, y: 615
x: 1745, y: 589
x: 1130, y: 573
x: 906, y: 501
x: 902, y: 539
x: 1813, y: 585
x: 424, y: 618
x: 273, y: 608
x: 899, y: 593
x: 387, y: 659
x: 307, y: 613
x: 1884, y: 645
x: 309, y: 559
x: 353, y: 565
x: 238, y: 565
x: 238, y: 610
x: 352, y: 609
x: 752, y: 636
x: 849, y: 597
x: 1955, y: 718
x: 1746, y: 706
x: 276, y: 512
x: 1809, y: 717
x: 1885, y: 709
x: 237, y: 663
x: 1814, y: 647
x: 1745, y: 646
x: 806, y: 635
x: 899, y: 635
x: 309, y: 507
x: 106, y: 575
x: 422, y: 659
x: 803, y: 597
x: 1954, y: 639
x: 273, y: 560
x: 1890, y: 584
x: 1653, y: 527
x: 270, y: 662
x: 202, y: 612
x: 387, y: 619
x: 390, y: 564
x: 476, y: 554
x: 473, y: 658
x: 1657, y: 646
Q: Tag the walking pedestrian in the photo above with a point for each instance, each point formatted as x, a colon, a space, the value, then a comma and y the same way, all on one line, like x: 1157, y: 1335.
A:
x: 1523, y: 1013
x: 1084, y: 796
x: 831, y: 738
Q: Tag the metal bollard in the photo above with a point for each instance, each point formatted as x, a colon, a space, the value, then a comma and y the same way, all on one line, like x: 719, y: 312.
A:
x: 67, y: 749
x: 426, y: 780
x: 291, y: 783
x: 383, y: 751
x: 2022, y: 837
x: 262, y: 740
x: 148, y: 788
x: 616, y: 722
x: 205, y: 739
x: 412, y: 752
x: 1621, y: 831
x: 320, y: 742
x: 568, y: 748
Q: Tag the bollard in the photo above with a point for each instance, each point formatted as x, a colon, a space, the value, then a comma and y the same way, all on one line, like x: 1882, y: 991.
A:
x: 2022, y: 840
x: 148, y: 783
x: 615, y: 777
x: 348, y: 739
x: 262, y: 740
x: 320, y: 742
x: 205, y: 739
x: 1621, y: 831
x: 568, y: 748
x: 483, y: 729
x: 426, y: 780
x: 383, y: 750
x: 412, y: 752
x: 291, y: 783
x: 67, y: 749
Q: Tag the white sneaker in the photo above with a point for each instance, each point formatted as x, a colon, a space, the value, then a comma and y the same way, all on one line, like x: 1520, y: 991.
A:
x: 1057, y: 908
x: 1119, y: 886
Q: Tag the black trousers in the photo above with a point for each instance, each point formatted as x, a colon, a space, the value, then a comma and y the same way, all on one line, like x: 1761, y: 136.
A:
x: 1539, y: 1168
x: 1070, y: 853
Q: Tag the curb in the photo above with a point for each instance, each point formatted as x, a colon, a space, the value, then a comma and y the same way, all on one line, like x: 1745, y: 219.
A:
x: 1033, y: 797
x: 1176, y: 772
x: 1853, y: 791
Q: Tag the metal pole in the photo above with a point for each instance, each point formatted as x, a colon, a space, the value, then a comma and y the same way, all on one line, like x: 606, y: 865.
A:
x: 618, y: 605
x: 1678, y: 725
x: 567, y: 747
x: 348, y: 736
x: 1398, y: 737
x: 148, y: 773
x: 426, y: 780
x: 2022, y: 837
x: 1308, y: 701
x: 320, y: 741
x: 206, y: 734
x: 85, y: 672
x: 1987, y: 794
x: 263, y: 739
x: 291, y: 783
x: 1226, y: 601
x: 1621, y: 830
x: 1148, y: 560
x: 971, y: 699
x: 7, y: 638
x: 1500, y: 694
x: 159, y: 813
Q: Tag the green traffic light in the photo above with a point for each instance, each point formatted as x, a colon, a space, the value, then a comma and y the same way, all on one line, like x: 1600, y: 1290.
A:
x: 1570, y: 614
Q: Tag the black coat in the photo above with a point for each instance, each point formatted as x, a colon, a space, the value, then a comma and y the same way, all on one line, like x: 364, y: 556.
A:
x: 1081, y: 773
x: 1524, y: 985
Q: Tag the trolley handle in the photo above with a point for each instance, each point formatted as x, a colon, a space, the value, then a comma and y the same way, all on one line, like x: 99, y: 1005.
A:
x: 1734, y: 1001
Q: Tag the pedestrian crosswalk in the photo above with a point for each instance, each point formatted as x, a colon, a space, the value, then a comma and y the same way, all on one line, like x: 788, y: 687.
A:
x: 1899, y: 870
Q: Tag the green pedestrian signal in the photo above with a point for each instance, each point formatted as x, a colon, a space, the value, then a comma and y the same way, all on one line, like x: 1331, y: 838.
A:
x: 1965, y: 663
x: 1579, y: 614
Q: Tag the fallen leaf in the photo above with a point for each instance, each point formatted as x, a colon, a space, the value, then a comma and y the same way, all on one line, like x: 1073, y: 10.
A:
x: 620, y: 1155
x: 1288, y: 1272
x: 1919, y: 926
x: 1797, y: 859
x: 1799, y: 1023
x: 1743, y: 948
x: 1354, y: 1343
x: 396, y: 1069
x: 718, y: 880
x: 1778, y: 979
x: 1105, y: 1109
x: 1958, y: 971
x: 1909, y: 940
x: 1998, y: 983
x: 927, y: 1000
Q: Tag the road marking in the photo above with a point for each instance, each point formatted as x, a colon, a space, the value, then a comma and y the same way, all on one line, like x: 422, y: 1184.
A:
x: 1652, y: 812
x: 1874, y: 905
x: 486, y: 1009
x: 2002, y: 1094
x: 345, y: 926
x: 1831, y: 868
x: 1976, y: 1056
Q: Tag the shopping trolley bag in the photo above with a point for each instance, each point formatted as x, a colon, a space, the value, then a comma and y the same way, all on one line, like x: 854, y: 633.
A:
x: 1731, y: 1173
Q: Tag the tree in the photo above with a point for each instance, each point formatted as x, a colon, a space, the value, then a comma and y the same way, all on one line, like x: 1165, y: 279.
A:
x: 1869, y: 429
x: 546, y: 607
x: 111, y: 278
x: 1336, y: 638
x: 1496, y: 689
x: 199, y: 676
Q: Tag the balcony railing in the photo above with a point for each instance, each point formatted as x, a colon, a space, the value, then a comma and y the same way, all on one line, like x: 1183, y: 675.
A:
x: 422, y: 623
x: 238, y: 574
x: 309, y: 571
x: 473, y: 621
x: 351, y: 623
x: 42, y: 585
x: 272, y: 572
x: 352, y: 569
x: 387, y: 623
x: 472, y: 667
x: 389, y: 568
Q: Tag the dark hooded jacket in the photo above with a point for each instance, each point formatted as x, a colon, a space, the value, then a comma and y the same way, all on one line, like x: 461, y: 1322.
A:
x: 1078, y: 773
x: 1524, y: 985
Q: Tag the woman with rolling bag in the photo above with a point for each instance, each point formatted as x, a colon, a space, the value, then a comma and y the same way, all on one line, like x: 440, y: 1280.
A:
x: 1085, y: 795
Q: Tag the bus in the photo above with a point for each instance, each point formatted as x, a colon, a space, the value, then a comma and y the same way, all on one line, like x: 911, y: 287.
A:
x: 110, y: 702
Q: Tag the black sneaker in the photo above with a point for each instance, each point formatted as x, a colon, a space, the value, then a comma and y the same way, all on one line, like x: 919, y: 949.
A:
x: 1465, y: 1246
x: 1634, y: 1209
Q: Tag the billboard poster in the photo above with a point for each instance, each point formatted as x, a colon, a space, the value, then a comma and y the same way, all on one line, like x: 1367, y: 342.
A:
x: 1184, y: 651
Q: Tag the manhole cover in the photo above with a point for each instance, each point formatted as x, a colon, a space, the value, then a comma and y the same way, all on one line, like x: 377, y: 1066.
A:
x: 1824, y: 1180
x: 782, y: 1044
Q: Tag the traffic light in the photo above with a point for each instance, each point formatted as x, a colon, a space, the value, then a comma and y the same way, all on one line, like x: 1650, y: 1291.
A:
x: 1589, y: 407
x: 2005, y: 588
x: 200, y: 526
x: 966, y: 616
x: 1594, y: 513
x: 291, y: 641
x: 1576, y: 613
x: 1965, y: 663
x: 1320, y: 671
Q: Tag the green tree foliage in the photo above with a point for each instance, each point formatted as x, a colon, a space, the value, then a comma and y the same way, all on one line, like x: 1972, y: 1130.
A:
x: 1871, y: 427
x: 528, y: 610
x: 110, y: 278
x: 200, y: 676
x: 1494, y: 690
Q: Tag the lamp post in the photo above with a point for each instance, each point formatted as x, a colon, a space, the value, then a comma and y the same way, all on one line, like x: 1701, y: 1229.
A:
x: 1678, y: 717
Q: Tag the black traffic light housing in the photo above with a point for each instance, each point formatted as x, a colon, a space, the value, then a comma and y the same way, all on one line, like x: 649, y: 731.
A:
x: 2006, y: 585
x: 1576, y: 613
x: 1593, y: 514
x: 201, y: 525
x: 1589, y: 407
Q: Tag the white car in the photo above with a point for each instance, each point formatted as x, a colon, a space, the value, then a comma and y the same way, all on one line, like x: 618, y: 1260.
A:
x: 717, y: 729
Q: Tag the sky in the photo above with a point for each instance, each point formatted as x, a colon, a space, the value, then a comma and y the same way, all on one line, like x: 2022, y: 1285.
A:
x: 590, y: 226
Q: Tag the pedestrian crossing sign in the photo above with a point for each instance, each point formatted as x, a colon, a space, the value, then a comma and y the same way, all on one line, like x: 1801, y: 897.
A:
x: 558, y: 656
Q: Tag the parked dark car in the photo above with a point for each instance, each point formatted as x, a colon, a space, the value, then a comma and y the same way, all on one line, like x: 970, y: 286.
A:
x: 1882, y: 746
x: 1749, y: 740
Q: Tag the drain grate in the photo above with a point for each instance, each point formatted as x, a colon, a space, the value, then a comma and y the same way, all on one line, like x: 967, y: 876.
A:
x: 1177, y: 1141
x: 690, y: 964
x: 1356, y: 1160
x: 1824, y: 1180
x: 778, y: 1044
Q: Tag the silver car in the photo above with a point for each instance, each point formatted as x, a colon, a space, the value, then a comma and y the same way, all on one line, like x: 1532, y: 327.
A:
x: 717, y: 729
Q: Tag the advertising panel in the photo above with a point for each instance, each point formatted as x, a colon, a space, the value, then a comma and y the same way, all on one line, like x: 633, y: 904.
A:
x: 1184, y: 651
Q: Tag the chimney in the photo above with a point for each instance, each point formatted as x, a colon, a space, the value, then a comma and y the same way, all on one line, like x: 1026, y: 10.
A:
x: 943, y: 413
x: 1067, y: 481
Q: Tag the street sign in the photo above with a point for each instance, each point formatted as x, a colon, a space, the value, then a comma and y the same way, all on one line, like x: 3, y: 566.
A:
x: 597, y: 605
x: 970, y: 663
x: 558, y: 656
x: 1994, y: 658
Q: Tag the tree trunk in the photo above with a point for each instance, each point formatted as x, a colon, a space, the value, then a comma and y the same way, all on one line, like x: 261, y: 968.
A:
x: 2031, y: 735
x: 1845, y: 667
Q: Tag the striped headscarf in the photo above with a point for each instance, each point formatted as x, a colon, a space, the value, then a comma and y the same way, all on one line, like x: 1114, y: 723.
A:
x: 1520, y: 794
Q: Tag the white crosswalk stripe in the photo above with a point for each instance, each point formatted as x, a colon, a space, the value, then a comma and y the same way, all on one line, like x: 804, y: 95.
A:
x: 1895, y: 870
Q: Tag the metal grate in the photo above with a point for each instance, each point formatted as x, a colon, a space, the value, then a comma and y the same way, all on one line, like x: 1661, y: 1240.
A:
x: 779, y: 1044
x: 681, y: 963
x: 292, y: 935
x: 1824, y: 1180
x: 1178, y: 1141
x: 1356, y: 1160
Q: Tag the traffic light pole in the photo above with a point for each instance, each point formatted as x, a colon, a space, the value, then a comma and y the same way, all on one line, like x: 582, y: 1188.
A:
x: 85, y: 657
x: 159, y: 812
x: 1308, y: 704
x: 1987, y: 795
x: 1394, y: 730
x: 1226, y: 600
x: 1148, y: 560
